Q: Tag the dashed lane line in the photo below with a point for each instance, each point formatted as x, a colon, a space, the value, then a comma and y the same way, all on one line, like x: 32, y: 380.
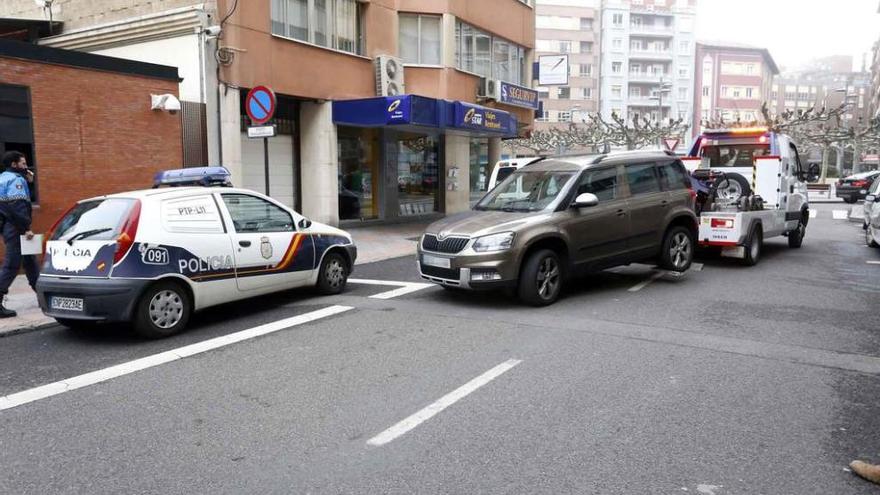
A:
x: 839, y: 214
x: 873, y: 262
x: 103, y: 375
x: 440, y: 404
x: 403, y: 288
x: 814, y: 213
x: 641, y: 285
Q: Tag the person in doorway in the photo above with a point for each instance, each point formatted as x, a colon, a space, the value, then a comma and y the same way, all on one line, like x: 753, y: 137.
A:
x: 15, y: 221
x: 870, y: 472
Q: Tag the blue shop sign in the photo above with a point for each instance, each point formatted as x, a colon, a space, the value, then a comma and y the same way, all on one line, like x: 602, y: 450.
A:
x: 469, y: 116
x: 398, y: 109
x: 518, y: 96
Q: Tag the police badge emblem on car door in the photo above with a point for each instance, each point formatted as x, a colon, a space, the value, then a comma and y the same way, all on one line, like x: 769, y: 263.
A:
x: 265, y: 247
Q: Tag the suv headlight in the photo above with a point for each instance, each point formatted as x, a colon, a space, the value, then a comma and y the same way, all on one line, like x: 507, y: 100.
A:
x: 494, y: 242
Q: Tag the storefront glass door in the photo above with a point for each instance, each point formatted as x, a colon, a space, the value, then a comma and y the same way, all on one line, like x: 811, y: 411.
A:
x: 359, y: 159
x: 418, y: 173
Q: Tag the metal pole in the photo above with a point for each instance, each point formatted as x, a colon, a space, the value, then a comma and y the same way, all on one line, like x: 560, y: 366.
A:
x: 266, y: 162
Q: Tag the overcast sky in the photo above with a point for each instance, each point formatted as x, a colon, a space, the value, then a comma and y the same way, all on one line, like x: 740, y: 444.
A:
x: 794, y: 30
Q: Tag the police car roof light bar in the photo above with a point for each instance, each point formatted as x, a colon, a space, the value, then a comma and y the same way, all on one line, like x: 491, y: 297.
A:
x: 196, y: 176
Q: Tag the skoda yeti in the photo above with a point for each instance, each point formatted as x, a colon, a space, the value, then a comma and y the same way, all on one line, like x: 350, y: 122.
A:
x: 553, y: 220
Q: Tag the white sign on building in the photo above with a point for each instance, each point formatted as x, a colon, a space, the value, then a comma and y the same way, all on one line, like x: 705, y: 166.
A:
x: 553, y: 70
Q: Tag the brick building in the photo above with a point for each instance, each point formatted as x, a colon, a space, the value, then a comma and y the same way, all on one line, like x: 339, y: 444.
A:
x: 731, y: 82
x: 84, y: 121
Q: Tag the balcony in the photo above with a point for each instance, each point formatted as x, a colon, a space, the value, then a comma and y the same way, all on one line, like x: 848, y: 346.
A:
x: 665, y: 55
x: 647, y: 77
x: 646, y: 101
x: 652, y: 30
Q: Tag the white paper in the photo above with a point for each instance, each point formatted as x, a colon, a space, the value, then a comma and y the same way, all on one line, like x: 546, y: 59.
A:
x: 33, y: 246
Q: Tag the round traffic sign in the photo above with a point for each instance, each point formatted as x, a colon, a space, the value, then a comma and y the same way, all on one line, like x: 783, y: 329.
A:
x: 260, y: 104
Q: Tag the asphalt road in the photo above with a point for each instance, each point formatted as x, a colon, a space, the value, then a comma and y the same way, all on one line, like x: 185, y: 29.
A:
x: 730, y: 380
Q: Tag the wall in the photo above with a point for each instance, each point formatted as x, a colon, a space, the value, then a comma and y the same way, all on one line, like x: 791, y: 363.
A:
x: 77, y: 14
x: 87, y: 145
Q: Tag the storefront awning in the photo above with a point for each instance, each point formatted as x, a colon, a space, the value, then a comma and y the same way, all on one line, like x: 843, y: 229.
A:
x: 419, y: 112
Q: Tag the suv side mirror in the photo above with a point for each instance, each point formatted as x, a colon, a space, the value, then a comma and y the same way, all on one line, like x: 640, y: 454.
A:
x: 305, y: 223
x: 870, y: 198
x: 585, y: 200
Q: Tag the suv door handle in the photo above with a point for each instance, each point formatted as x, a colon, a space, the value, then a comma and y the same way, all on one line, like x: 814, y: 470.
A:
x: 244, y: 243
x: 621, y: 212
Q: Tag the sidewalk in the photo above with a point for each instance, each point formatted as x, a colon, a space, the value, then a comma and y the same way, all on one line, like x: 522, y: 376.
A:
x: 375, y: 243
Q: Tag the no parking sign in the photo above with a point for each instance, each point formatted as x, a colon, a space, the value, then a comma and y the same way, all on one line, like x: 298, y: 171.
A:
x: 260, y: 105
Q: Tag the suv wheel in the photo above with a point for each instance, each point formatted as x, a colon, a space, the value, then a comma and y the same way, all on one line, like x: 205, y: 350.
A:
x: 333, y: 274
x: 541, y: 278
x: 754, y: 246
x: 796, y: 236
x: 678, y: 249
x: 162, y: 311
x: 869, y: 238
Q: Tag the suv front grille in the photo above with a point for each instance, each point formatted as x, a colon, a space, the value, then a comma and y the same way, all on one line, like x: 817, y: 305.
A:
x: 450, y: 245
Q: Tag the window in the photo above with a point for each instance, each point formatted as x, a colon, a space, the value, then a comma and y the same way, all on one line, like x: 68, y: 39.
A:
x: 564, y: 116
x: 253, y: 214
x: 682, y: 94
x: 332, y: 24
x: 616, y: 91
x: 736, y: 92
x: 488, y: 56
x: 683, y: 72
x: 705, y: 90
x: 673, y: 175
x: 635, y: 45
x: 194, y: 215
x: 565, y: 47
x: 684, y: 46
x: 586, y: 47
x: 635, y: 68
x: 586, y: 24
x: 588, y: 93
x: 750, y: 68
x: 724, y: 91
x: 617, y: 20
x: 749, y: 92
x: 602, y: 183
x: 635, y: 92
x: 642, y: 179
x: 16, y: 127
x: 419, y: 40
x: 586, y: 70
x: 564, y: 93
x: 616, y: 67
x: 617, y: 44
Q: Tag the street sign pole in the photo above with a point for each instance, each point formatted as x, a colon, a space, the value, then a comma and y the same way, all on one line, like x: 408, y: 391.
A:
x: 266, y: 162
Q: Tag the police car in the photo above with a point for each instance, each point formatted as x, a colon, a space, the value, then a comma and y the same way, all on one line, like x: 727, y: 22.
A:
x: 152, y: 257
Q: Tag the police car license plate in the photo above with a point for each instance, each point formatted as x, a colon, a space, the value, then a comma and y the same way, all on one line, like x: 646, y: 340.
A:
x: 437, y: 261
x: 67, y: 303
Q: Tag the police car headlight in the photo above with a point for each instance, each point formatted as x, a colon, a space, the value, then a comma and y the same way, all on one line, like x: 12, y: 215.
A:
x: 494, y: 242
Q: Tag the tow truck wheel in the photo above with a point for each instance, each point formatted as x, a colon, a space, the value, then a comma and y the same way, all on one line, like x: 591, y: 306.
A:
x: 754, y: 246
x: 796, y: 236
x: 732, y: 188
x: 678, y: 249
x: 162, y: 311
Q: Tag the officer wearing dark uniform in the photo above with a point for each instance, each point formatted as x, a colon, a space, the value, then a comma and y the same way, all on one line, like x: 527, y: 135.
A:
x: 15, y: 221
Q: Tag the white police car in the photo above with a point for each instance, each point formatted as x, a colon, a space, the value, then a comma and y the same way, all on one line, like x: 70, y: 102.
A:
x: 152, y: 257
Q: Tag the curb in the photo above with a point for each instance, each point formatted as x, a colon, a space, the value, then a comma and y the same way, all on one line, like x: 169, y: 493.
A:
x: 27, y: 328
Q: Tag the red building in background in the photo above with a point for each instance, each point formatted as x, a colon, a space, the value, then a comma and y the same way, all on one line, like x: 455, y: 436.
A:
x: 731, y: 82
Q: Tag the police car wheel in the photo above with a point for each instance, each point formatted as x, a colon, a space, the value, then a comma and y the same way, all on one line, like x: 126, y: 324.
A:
x: 333, y: 274
x: 163, y: 310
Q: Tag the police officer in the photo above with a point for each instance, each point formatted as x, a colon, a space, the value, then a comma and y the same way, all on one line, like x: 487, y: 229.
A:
x: 15, y: 221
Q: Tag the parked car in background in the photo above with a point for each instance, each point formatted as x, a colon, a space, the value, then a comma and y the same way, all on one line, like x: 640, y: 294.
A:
x: 551, y: 221
x: 871, y: 223
x: 855, y: 187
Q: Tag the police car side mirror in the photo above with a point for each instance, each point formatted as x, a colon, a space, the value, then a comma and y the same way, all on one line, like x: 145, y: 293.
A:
x: 305, y: 223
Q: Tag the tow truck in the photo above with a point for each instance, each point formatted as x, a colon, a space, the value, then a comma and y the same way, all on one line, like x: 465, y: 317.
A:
x: 751, y: 187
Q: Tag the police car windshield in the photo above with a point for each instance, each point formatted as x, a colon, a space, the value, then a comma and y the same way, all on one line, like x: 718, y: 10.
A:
x: 97, y: 220
x: 526, y: 191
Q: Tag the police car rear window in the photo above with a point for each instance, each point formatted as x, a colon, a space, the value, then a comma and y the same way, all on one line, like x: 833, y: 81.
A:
x: 104, y: 217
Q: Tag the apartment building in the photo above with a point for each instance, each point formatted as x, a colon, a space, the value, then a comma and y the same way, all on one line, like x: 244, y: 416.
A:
x: 387, y: 109
x: 647, y: 59
x: 732, y: 81
x: 569, y: 27
x: 875, y: 81
x: 800, y: 91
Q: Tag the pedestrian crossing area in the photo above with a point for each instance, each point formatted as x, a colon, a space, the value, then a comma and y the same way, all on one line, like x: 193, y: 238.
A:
x: 830, y: 214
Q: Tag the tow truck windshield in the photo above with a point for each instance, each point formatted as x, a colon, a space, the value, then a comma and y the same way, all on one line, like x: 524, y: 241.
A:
x: 733, y: 154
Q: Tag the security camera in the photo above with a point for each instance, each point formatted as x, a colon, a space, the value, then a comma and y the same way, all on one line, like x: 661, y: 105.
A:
x: 213, y: 31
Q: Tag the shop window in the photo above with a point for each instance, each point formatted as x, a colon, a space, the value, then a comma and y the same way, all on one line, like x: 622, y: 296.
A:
x: 419, y: 39
x: 358, y: 177
x: 16, y: 127
x: 332, y: 24
x: 481, y: 53
x: 480, y: 168
x: 418, y: 173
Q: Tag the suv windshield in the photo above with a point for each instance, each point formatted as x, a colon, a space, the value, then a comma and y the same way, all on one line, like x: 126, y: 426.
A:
x: 96, y: 220
x: 734, y: 155
x: 526, y: 191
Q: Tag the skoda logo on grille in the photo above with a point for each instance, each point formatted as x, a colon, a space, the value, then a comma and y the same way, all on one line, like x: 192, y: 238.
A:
x: 442, y: 236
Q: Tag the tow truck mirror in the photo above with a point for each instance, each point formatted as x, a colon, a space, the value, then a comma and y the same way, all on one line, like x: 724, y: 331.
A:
x: 813, y: 173
x: 305, y: 223
x: 585, y: 200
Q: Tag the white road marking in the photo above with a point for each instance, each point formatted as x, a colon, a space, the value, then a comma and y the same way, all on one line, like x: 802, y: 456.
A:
x: 813, y: 213
x: 442, y: 403
x: 840, y: 214
x: 103, y: 375
x: 873, y: 262
x: 403, y: 287
x: 645, y: 283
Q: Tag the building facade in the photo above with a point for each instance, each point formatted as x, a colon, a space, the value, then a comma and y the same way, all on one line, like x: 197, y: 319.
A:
x: 875, y: 81
x: 569, y: 27
x: 80, y: 132
x: 731, y: 83
x: 339, y: 153
x: 647, y: 59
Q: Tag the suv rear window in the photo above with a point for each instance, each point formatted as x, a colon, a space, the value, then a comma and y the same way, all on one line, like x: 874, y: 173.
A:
x: 104, y: 217
x: 673, y: 176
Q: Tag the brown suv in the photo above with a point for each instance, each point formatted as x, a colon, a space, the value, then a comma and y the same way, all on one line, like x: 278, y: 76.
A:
x: 562, y: 217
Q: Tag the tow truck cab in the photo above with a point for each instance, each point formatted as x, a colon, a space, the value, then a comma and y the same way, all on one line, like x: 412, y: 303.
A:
x: 764, y: 194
